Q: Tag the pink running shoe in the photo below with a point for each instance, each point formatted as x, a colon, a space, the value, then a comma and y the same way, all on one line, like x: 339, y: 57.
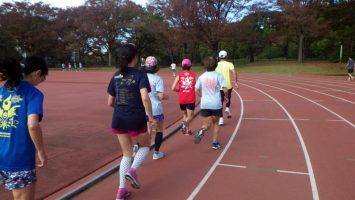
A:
x: 131, y: 176
x: 122, y: 194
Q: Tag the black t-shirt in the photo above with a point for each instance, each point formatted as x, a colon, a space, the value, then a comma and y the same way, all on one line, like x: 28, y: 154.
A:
x: 129, y: 113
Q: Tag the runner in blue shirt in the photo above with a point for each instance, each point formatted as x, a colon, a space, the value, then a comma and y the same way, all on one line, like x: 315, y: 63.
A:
x: 21, y: 110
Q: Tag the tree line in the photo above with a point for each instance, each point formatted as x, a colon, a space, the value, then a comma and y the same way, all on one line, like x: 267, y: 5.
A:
x: 173, y: 29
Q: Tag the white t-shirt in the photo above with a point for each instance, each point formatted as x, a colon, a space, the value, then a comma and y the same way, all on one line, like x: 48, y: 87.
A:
x: 210, y: 84
x: 173, y: 66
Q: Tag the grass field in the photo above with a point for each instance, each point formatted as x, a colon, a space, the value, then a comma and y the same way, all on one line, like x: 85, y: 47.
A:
x: 275, y: 67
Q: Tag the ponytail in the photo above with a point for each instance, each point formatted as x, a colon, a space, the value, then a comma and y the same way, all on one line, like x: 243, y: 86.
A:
x: 10, y: 71
x: 125, y: 56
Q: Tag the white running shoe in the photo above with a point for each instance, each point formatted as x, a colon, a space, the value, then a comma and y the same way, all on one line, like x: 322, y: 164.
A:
x: 221, y: 121
x: 158, y: 155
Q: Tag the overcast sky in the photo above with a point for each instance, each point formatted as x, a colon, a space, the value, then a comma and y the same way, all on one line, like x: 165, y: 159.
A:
x: 67, y: 3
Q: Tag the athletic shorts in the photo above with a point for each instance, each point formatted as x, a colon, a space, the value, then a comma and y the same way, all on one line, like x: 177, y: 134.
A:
x: 17, y: 179
x: 130, y: 133
x: 190, y: 106
x: 157, y: 118
x: 209, y: 112
x: 351, y: 70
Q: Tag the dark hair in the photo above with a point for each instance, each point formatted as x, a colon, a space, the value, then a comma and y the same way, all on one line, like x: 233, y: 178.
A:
x: 186, y: 67
x: 34, y: 63
x: 10, y: 71
x: 210, y: 63
x: 125, y: 55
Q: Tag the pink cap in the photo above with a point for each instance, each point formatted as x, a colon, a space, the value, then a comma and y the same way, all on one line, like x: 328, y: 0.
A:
x: 186, y: 62
x: 151, y: 61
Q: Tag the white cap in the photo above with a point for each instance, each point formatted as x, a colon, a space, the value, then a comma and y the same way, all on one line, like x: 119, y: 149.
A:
x: 222, y: 54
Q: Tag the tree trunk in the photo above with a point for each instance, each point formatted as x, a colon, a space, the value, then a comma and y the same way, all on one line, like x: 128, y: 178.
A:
x: 251, y: 55
x: 109, y: 59
x: 300, y: 48
x: 285, y: 50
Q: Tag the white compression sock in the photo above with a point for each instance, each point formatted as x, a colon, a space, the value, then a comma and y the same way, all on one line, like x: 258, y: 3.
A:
x: 124, y: 166
x: 140, y: 157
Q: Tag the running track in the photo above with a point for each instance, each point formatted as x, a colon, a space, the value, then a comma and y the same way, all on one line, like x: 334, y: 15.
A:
x: 291, y: 137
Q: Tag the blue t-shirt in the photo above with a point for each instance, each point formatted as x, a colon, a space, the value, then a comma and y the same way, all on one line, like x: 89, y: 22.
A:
x: 210, y: 84
x: 157, y: 86
x: 129, y: 112
x: 17, y: 151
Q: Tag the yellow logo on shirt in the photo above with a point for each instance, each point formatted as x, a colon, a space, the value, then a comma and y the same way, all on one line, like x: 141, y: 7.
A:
x: 8, y: 112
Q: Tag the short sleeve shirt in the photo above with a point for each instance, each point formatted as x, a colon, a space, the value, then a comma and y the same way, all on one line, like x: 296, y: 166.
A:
x: 210, y: 83
x: 17, y: 151
x: 186, y: 83
x: 351, y: 64
x: 129, y: 111
x: 224, y: 68
x: 157, y: 86
x: 173, y: 66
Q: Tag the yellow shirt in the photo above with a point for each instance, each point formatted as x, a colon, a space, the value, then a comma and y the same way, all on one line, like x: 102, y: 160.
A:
x: 224, y: 68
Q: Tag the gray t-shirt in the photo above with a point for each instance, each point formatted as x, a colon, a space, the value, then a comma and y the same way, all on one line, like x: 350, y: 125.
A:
x: 210, y: 84
x: 351, y: 64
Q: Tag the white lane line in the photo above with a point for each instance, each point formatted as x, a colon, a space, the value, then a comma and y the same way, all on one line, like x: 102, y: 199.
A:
x: 235, y: 166
x: 315, y: 91
x: 312, y: 179
x: 273, y: 119
x: 214, y: 166
x: 253, y: 100
x: 292, y: 172
x: 303, y: 97
x: 335, y: 120
x: 260, y: 169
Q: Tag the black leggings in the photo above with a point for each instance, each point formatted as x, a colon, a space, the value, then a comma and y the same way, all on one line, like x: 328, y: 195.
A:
x: 229, y: 97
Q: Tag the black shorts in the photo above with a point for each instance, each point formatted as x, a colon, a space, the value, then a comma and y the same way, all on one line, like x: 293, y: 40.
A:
x: 209, y: 112
x: 190, y: 106
x: 350, y: 71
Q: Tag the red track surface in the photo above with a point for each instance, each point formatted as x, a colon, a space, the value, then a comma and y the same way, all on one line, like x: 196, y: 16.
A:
x: 266, y: 159
x: 76, y: 128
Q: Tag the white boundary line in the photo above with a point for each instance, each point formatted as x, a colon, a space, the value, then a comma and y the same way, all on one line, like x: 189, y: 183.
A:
x: 303, y: 97
x: 276, y: 170
x: 214, y: 166
x: 303, y: 145
x: 346, y: 100
x: 273, y: 119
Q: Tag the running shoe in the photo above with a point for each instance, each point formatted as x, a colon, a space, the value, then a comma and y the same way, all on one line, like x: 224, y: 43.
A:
x: 131, y: 176
x: 135, y: 149
x: 158, y: 155
x: 216, y: 145
x: 122, y: 194
x: 199, y: 135
x: 183, y: 128
x: 228, y: 112
x: 221, y: 121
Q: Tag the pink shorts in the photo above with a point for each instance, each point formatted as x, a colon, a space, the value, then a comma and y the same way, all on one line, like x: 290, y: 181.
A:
x: 130, y: 133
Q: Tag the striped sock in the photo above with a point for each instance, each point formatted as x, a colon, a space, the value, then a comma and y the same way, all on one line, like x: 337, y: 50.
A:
x: 141, y: 154
x: 124, y: 166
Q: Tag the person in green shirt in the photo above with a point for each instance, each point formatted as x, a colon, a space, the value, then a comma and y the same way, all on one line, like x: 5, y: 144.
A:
x: 225, y: 68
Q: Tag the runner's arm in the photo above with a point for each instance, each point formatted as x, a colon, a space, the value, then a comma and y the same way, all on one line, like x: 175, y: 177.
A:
x: 236, y: 77
x: 36, y: 135
x: 173, y: 87
x: 111, y: 101
x: 147, y: 103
